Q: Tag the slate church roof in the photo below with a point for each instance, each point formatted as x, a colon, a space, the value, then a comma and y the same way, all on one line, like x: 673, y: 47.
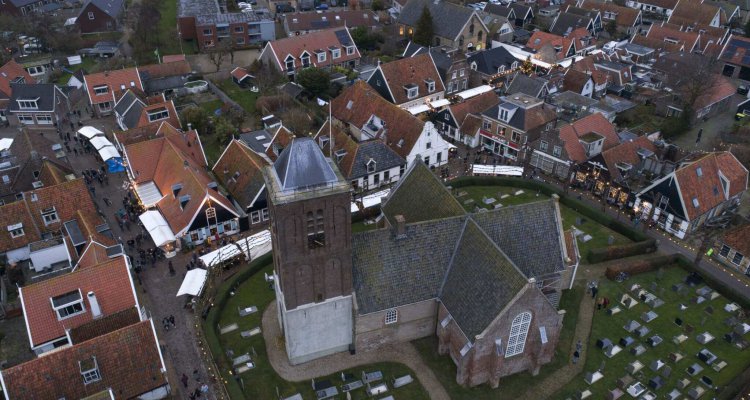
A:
x: 302, y: 165
x: 474, y: 263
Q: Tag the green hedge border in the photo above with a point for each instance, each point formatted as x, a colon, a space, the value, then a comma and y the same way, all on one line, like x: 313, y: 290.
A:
x: 210, y: 325
x: 643, y: 244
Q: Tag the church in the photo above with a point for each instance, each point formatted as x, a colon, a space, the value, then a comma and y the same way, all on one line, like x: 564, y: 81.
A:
x: 487, y: 284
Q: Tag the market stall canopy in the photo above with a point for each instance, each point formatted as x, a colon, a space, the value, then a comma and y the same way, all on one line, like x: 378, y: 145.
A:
x: 5, y: 144
x: 497, y: 170
x: 108, y: 152
x: 440, y: 103
x: 371, y: 200
x: 90, y: 131
x: 251, y: 247
x: 193, y: 282
x: 157, y: 227
x: 100, y: 142
x: 467, y: 94
x: 148, y: 193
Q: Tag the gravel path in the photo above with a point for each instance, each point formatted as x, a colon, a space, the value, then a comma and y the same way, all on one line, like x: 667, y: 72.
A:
x: 403, y: 353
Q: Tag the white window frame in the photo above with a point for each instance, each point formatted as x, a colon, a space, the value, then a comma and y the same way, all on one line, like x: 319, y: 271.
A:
x: 321, y: 57
x: 412, y: 93
x: 28, y: 104
x: 16, y: 230
x: 157, y: 115
x: 519, y: 331
x: 255, y: 217
x: 63, y: 307
x: 101, y: 89
x: 371, y: 166
x: 44, y: 119
x: 91, y: 375
x: 431, y: 86
x: 264, y: 214
x: 349, y: 50
x: 91, y: 15
x: 336, y: 53
x: 50, y: 216
x: 391, y: 316
x: 735, y: 260
x: 486, y: 125
x: 557, y: 151
x: 105, y: 106
x: 26, y: 119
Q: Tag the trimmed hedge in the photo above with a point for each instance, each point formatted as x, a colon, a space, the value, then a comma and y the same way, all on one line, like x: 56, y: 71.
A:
x: 210, y: 326
x: 639, y: 266
x: 738, y: 297
x: 643, y: 244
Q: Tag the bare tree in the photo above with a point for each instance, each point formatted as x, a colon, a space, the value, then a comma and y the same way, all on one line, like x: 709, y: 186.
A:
x: 298, y: 121
x: 220, y: 53
x: 691, y: 76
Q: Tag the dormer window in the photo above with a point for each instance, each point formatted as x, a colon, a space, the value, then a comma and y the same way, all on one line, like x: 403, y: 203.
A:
x: 514, y: 65
x: 335, y: 52
x: 29, y: 104
x: 371, y: 166
x: 16, y: 230
x: 176, y: 189
x: 68, y: 304
x: 323, y: 141
x: 49, y: 215
x: 349, y: 50
x: 158, y: 114
x: 184, y: 200
x: 289, y: 61
x: 412, y: 90
x: 101, y: 89
x: 724, y: 184
x: 501, y: 69
x: 321, y: 56
x: 305, y: 57
x: 430, y: 85
x: 90, y: 370
x: 340, y: 154
x: 504, y: 115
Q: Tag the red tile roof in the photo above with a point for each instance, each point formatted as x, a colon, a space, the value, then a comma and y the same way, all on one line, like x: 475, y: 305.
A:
x: 129, y: 362
x: 9, y: 72
x: 313, y: 21
x: 342, y: 141
x: 173, y: 119
x: 594, y: 123
x: 625, y: 152
x: 166, y: 68
x: 575, y: 80
x: 738, y: 238
x: 474, y: 105
x: 690, y: 12
x: 114, y: 80
x: 320, y: 40
x: 541, y: 39
x: 411, y: 71
x: 624, y: 16
x: 403, y: 129
x: 668, y: 4
x: 736, y: 51
x: 707, y: 188
x: 668, y: 34
x: 165, y: 162
x: 239, y: 169
x: 720, y: 90
x: 93, y: 254
x: 239, y: 74
x: 110, y: 281
x: 173, y: 58
x: 279, y: 140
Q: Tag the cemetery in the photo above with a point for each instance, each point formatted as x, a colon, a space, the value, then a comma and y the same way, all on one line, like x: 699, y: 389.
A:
x: 666, y: 334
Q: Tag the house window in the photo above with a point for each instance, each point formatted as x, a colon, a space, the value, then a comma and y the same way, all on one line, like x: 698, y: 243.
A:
x: 461, y: 72
x: 91, y: 15
x: 90, y: 371
x: 391, y: 316
x: 453, y: 75
x: 724, y: 251
x: 316, y: 236
x: 44, y: 119
x: 516, y: 137
x: 486, y: 125
x: 387, y: 176
x: 28, y: 104
x: 371, y: 166
x: 349, y: 50
x: 305, y: 60
x: 429, y: 145
x: 696, y: 204
x: 50, y: 216
x: 519, y: 329
x: 427, y: 160
x: 68, y: 304
x: 543, y: 334
x: 158, y: 114
x: 264, y: 213
x: 239, y: 40
x: 321, y: 57
x: 239, y: 29
x: 101, y: 89
x: 289, y: 63
x: 430, y: 85
x: 16, y: 230
x: 504, y: 114
x: 255, y: 217
x: 556, y: 151
x: 336, y: 53
x: 26, y: 118
x: 207, y: 32
x: 737, y: 259
x: 412, y: 92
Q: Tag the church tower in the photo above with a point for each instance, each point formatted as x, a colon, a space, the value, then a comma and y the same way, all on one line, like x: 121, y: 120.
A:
x: 309, y: 202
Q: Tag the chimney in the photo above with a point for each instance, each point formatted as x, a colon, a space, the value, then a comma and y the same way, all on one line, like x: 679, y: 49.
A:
x: 190, y: 127
x: 96, y: 311
x: 400, y: 228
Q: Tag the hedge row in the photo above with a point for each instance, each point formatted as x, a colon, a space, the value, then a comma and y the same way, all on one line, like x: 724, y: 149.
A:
x: 621, y: 251
x: 639, y: 266
x: 596, y: 255
x: 743, y: 299
x: 210, y: 326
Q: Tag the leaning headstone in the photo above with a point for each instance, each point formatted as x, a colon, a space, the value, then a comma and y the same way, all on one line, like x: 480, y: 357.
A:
x: 610, y: 240
x: 579, y: 222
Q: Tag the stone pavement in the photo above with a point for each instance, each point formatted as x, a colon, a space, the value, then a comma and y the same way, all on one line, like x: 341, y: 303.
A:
x: 404, y: 353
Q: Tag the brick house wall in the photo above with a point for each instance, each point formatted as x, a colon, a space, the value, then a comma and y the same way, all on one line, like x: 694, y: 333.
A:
x: 505, y: 133
x: 415, y: 321
x: 482, y: 364
x: 474, y: 33
x: 312, y: 275
x: 545, y: 159
x: 186, y: 26
x: 93, y: 19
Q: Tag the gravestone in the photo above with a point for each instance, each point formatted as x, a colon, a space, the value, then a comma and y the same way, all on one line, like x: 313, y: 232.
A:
x: 683, y: 383
x: 656, y: 365
x: 666, y: 372
x: 638, y: 350
x: 610, y: 240
x: 634, y: 367
x: 675, y: 357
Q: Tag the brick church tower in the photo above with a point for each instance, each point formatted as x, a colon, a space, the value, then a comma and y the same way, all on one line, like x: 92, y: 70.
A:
x: 309, y: 203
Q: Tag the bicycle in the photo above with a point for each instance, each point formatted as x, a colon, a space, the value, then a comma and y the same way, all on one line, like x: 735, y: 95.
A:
x: 622, y: 276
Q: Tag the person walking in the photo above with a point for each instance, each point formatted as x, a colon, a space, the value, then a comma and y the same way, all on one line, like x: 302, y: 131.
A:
x: 576, y: 355
x: 184, y: 380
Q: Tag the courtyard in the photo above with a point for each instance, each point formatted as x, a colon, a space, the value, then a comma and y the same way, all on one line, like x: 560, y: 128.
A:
x: 666, y: 355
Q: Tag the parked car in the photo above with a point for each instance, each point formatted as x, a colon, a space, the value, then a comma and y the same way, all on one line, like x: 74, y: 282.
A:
x: 743, y: 89
x: 322, y: 7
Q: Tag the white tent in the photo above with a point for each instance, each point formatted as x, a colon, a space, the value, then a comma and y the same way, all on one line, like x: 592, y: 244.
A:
x: 467, y: 94
x: 497, y: 170
x: 251, y: 247
x: 440, y: 103
x: 99, y: 142
x: 90, y: 131
x: 371, y: 200
x: 193, y: 282
x: 5, y: 144
x: 108, y: 152
x: 157, y: 227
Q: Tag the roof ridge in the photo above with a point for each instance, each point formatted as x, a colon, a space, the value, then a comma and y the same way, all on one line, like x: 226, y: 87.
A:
x: 497, y: 247
x: 453, y: 255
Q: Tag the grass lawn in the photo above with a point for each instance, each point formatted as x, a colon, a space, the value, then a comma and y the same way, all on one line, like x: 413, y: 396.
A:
x: 361, y: 227
x: 600, y: 234
x: 611, y: 327
x: 212, y: 106
x: 89, y: 64
x: 262, y: 382
x: 642, y: 118
x: 513, y: 386
x: 170, y: 43
x: 244, y: 97
x: 212, y: 147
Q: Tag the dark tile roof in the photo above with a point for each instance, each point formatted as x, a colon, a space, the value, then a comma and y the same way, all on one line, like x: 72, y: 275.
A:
x: 111, y: 7
x: 501, y: 10
x: 239, y: 169
x: 10, y: 72
x: 303, y: 165
x: 420, y: 196
x: 390, y: 272
x: 44, y: 92
x: 525, y: 84
x: 128, y: 359
x: 124, y: 102
x: 448, y: 19
x: 539, y: 253
x: 567, y: 22
x: 104, y: 325
x: 488, y: 61
x: 481, y: 281
x: 738, y: 238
